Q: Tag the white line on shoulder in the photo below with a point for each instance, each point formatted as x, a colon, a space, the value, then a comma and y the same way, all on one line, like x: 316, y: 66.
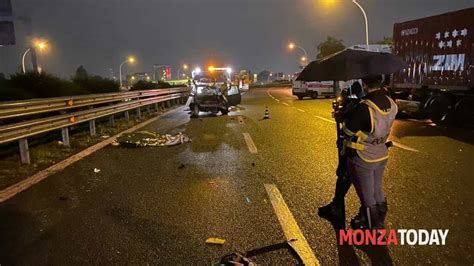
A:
x: 290, y: 227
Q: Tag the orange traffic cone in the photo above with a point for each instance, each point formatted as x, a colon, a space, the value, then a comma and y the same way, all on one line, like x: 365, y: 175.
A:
x: 267, y: 115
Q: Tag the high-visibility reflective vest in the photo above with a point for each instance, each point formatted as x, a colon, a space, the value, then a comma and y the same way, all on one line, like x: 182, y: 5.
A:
x: 370, y: 146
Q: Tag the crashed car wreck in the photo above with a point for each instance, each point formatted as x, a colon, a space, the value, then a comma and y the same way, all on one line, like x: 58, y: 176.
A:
x: 212, y: 91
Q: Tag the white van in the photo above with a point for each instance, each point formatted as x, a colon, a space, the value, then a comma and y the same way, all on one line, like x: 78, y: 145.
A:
x: 314, y: 89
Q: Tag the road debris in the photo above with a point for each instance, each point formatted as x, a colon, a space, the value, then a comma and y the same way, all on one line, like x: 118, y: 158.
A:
x: 63, y: 198
x: 115, y: 143
x: 215, y: 241
x: 96, y: 170
x: 213, y: 184
x: 181, y: 166
x: 152, y: 139
x: 248, y: 200
x: 236, y: 259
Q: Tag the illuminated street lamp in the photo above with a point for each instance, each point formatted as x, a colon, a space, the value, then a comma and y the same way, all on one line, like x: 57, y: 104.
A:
x: 292, y: 46
x: 38, y: 44
x: 129, y: 60
x: 195, y: 72
x: 303, y: 59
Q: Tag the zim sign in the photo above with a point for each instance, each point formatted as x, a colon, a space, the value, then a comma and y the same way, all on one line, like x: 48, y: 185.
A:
x: 449, y: 62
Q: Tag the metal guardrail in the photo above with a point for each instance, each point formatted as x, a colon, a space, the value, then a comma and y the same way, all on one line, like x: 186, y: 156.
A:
x: 74, y: 110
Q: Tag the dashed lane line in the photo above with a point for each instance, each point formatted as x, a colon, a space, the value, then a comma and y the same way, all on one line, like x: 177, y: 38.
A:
x: 23, y: 185
x: 250, y: 144
x: 291, y: 230
x: 271, y: 96
x: 301, y: 110
x: 285, y: 103
x: 325, y: 119
x: 396, y: 144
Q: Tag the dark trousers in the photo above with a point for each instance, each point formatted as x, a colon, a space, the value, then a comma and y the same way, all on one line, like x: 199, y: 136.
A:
x: 367, y: 179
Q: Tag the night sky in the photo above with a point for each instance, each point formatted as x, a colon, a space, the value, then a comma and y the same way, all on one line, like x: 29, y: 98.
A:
x: 244, y: 34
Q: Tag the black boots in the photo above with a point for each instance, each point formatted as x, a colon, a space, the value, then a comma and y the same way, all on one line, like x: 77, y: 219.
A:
x: 367, y: 218
x: 377, y: 214
x: 335, y: 211
x: 382, y: 208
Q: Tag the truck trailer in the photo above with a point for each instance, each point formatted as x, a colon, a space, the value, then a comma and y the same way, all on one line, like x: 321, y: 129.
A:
x: 439, y: 83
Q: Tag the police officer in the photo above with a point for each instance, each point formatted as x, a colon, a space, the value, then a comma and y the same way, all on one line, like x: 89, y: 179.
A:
x: 367, y: 128
x: 335, y: 211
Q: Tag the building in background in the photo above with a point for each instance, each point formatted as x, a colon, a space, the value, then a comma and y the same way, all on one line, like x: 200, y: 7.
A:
x: 111, y: 74
x: 7, y: 31
x: 139, y: 76
x: 161, y: 72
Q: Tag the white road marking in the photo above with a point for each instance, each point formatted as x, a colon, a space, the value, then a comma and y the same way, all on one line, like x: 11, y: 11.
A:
x: 285, y: 104
x: 401, y: 146
x: 290, y: 228
x: 301, y: 110
x: 250, y: 144
x: 325, y: 119
x: 23, y: 185
x: 276, y: 100
x: 269, y: 94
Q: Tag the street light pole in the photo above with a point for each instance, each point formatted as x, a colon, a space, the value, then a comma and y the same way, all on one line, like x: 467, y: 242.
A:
x: 120, y: 72
x: 292, y: 45
x: 305, y: 53
x: 23, y: 60
x: 366, y: 22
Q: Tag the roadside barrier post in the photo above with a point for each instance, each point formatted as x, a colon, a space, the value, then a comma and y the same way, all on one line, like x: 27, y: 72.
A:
x: 24, y: 151
x: 65, y: 136
x: 112, y: 121
x: 92, y: 127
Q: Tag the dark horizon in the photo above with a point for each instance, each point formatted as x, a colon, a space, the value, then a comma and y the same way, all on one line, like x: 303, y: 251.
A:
x: 242, y: 34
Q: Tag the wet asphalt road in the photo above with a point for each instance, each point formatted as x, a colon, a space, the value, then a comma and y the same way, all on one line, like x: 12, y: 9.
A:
x: 159, y: 205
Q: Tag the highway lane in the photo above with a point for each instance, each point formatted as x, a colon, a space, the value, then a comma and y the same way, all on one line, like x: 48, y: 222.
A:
x: 426, y: 189
x: 159, y: 205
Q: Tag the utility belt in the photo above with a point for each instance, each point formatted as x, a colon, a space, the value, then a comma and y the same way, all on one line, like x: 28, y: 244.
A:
x: 351, y: 146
